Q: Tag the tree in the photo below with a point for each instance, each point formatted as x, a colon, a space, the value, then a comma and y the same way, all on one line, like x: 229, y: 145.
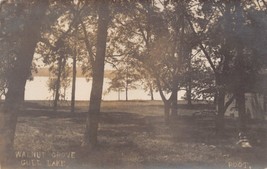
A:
x: 148, y: 82
x: 60, y: 44
x: 26, y: 35
x: 117, y: 84
x: 125, y: 76
x: 59, y: 72
x: 248, y: 60
x: 199, y: 81
x: 56, y: 57
x: 161, y: 42
x: 59, y: 84
x: 223, y: 40
x: 135, y: 29
x: 74, y: 72
x: 92, y: 118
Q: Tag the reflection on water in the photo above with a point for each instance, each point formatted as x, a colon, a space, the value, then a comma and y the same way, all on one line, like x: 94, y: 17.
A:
x: 38, y: 90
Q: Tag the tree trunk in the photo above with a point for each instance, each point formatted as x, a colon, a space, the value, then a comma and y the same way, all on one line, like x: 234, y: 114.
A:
x: 90, y: 136
x: 12, y: 105
x: 189, y: 84
x: 174, y: 105
x: 151, y: 91
x: 126, y: 92
x: 17, y: 80
x: 221, y: 110
x: 74, y: 72
x: 264, y: 103
x: 56, y: 99
x: 126, y: 84
x: 215, y: 99
x: 167, y: 108
x: 174, y: 98
x: 61, y: 69
x: 240, y: 100
x: 166, y: 102
x: 189, y: 93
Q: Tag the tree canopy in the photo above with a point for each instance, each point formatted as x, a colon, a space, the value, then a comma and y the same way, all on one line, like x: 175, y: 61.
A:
x: 169, y: 45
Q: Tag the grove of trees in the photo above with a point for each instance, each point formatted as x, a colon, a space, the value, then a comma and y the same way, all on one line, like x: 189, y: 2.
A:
x: 169, y: 45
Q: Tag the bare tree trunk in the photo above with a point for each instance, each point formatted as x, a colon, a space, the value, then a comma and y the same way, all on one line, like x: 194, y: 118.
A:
x: 126, y: 92
x: 167, y: 108
x: 240, y: 100
x: 240, y: 65
x: 56, y: 99
x: 12, y: 105
x: 151, y: 91
x: 167, y: 105
x: 90, y: 136
x: 220, y: 116
x: 61, y: 69
x: 174, y: 104
x: 17, y: 80
x: 264, y: 103
x: 189, y: 84
x: 74, y: 72
x: 126, y: 84
x: 220, y: 98
x: 174, y: 98
x: 222, y: 106
x: 189, y: 93
x: 215, y: 99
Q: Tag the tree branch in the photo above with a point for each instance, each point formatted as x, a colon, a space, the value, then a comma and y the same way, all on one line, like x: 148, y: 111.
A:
x: 201, y: 45
x: 160, y: 90
x: 113, y: 64
x: 125, y: 26
x: 265, y: 4
x: 228, y: 103
x: 87, y: 42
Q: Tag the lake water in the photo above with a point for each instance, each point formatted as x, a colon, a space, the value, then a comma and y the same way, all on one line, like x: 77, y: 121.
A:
x: 38, y: 90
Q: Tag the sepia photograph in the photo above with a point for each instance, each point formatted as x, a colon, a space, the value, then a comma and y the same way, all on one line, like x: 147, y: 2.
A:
x: 133, y: 84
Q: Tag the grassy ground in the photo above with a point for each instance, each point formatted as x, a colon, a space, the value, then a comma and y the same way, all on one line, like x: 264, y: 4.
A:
x: 134, y: 135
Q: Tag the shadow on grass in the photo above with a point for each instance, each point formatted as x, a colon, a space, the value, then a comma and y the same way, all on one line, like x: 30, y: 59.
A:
x: 202, y: 132
x: 132, y: 139
x: 51, y: 113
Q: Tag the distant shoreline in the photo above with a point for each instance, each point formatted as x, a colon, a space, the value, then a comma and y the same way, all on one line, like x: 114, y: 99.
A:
x: 44, y: 72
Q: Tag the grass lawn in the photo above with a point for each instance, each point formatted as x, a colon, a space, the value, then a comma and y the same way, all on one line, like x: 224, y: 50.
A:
x: 133, y: 135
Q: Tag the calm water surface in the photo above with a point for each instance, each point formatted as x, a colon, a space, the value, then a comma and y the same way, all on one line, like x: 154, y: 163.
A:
x: 38, y: 90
